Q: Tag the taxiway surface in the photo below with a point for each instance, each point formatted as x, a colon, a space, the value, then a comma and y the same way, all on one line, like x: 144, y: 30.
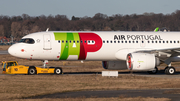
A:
x: 4, y: 52
x: 155, y: 93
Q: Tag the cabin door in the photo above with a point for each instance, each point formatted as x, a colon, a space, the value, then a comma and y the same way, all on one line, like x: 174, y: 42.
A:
x: 47, y: 42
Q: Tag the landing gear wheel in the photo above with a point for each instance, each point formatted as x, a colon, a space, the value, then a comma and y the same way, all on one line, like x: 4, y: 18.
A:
x: 153, y: 71
x: 166, y: 70
x: 58, y: 71
x: 31, y: 71
x: 170, y: 70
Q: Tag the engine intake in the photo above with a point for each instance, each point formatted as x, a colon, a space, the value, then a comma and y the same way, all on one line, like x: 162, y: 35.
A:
x: 142, y: 61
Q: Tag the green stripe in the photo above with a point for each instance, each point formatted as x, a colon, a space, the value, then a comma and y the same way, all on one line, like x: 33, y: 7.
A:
x: 74, y: 50
x: 65, y: 52
x: 67, y: 48
x: 62, y: 37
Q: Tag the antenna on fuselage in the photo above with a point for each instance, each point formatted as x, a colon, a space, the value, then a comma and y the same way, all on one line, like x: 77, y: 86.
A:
x: 47, y: 29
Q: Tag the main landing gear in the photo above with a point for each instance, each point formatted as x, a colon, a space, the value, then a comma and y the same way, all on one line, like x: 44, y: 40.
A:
x: 57, y: 70
x: 170, y: 70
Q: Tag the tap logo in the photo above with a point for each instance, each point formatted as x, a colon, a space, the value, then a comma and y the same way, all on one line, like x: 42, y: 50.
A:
x: 78, y: 44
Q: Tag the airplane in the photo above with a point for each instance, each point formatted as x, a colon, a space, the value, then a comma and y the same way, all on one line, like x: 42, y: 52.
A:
x: 133, y: 50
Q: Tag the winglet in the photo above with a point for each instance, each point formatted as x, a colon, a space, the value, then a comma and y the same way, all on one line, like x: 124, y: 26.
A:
x: 156, y: 29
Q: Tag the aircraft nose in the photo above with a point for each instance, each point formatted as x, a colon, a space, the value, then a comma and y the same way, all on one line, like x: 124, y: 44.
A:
x: 18, y: 50
x: 10, y: 50
x: 14, y: 50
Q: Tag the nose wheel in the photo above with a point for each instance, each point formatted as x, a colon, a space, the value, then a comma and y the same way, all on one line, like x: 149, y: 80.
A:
x: 57, y: 70
x: 45, y: 62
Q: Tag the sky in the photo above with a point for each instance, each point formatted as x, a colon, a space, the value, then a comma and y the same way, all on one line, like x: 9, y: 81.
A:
x: 81, y: 8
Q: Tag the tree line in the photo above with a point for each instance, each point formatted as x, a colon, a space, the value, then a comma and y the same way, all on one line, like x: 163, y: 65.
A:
x: 18, y: 26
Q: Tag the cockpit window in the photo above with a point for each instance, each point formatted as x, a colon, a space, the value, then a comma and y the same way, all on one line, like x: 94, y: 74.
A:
x: 27, y: 40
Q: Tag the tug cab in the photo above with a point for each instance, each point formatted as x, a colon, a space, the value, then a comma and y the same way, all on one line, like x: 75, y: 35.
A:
x: 7, y: 64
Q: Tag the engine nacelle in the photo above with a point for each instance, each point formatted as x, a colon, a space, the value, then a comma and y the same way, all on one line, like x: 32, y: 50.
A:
x: 142, y: 61
x: 114, y: 65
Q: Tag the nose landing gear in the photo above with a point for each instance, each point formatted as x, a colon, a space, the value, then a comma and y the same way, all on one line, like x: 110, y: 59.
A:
x: 45, y: 62
x: 57, y: 70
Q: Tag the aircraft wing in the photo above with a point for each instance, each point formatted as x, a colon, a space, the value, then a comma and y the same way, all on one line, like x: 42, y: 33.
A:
x: 163, y: 54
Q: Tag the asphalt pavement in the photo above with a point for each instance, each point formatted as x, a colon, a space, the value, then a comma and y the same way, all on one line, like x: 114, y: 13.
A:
x: 4, y: 52
x: 155, y: 93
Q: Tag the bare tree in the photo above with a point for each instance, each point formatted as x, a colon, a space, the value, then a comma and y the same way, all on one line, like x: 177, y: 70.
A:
x: 16, y: 30
x: 2, y: 30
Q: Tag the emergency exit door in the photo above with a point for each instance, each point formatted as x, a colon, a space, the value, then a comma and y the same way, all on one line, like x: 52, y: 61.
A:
x: 47, y: 42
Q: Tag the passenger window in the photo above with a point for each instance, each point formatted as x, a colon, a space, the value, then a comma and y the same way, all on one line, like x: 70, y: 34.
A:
x: 132, y: 41
x: 163, y: 41
x: 85, y: 41
x: 148, y: 41
x: 170, y: 41
x: 142, y: 41
x: 74, y: 41
x: 129, y: 41
x: 81, y: 41
x: 121, y: 41
x: 93, y: 41
x: 70, y: 41
x: 125, y: 41
x: 66, y: 41
x: 107, y: 41
x: 103, y: 41
x: 111, y: 41
x: 174, y: 41
x: 159, y: 41
x: 59, y: 41
x: 88, y: 41
x: 177, y: 41
x: 114, y: 41
x: 156, y: 41
x: 166, y: 41
x: 77, y: 41
x: 136, y: 41
x: 62, y: 41
x: 152, y: 41
x: 118, y: 41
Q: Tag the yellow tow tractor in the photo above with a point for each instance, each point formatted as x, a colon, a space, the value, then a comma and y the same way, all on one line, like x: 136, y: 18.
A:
x: 12, y: 67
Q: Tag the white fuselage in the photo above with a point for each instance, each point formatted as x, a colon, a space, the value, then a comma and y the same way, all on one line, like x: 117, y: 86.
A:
x: 103, y: 46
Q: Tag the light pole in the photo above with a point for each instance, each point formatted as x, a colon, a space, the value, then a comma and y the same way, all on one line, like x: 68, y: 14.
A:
x: 11, y: 39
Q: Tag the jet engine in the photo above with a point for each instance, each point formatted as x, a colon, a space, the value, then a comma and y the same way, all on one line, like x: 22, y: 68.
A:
x: 114, y: 65
x: 142, y: 61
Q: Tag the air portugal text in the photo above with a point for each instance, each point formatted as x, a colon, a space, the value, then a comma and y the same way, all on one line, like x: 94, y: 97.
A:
x: 137, y: 37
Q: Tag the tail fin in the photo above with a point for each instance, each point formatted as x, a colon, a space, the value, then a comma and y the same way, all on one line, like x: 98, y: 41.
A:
x: 156, y: 29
